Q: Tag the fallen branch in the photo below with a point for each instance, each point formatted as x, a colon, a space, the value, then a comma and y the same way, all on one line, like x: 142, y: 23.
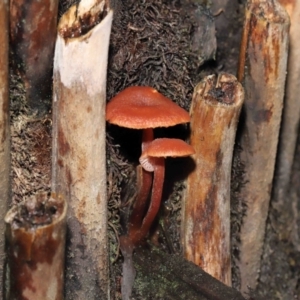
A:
x: 214, y: 113
x: 262, y: 68
x: 4, y: 132
x: 33, y: 32
x: 36, y: 230
x: 164, y: 276
x: 79, y: 161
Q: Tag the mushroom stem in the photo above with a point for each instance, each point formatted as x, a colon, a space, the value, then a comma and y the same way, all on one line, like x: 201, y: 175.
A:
x: 148, y: 137
x: 138, y: 212
x: 157, y: 188
x: 127, y: 247
x: 144, y: 185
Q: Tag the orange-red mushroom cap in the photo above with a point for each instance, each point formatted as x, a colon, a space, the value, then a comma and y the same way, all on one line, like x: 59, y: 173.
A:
x: 141, y: 107
x: 164, y: 147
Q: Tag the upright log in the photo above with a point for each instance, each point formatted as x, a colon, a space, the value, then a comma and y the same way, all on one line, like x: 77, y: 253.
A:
x: 33, y: 32
x: 290, y: 123
x: 4, y: 132
x: 36, y: 233
x: 215, y: 110
x: 79, y: 161
x: 262, y: 68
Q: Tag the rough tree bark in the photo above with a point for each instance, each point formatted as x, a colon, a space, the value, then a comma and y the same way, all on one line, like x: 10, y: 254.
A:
x: 262, y: 68
x: 79, y: 161
x: 4, y: 133
x: 215, y: 111
x: 33, y: 32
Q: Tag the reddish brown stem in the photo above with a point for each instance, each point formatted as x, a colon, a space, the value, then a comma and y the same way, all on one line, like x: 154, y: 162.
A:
x: 128, y: 270
x: 139, y: 208
x: 157, y: 188
x: 147, y: 138
x: 138, y: 212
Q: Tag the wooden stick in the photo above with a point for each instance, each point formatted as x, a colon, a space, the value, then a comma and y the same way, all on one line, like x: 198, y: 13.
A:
x: 36, y: 230
x: 290, y: 118
x: 4, y: 132
x: 79, y: 161
x: 262, y: 67
x: 33, y: 32
x: 214, y: 113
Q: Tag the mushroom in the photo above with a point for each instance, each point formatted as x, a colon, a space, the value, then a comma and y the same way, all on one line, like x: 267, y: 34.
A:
x: 153, y: 160
x: 142, y: 107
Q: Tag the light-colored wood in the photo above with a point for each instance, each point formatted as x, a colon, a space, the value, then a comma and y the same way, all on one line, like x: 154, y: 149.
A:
x: 36, y: 232
x: 79, y: 161
x: 262, y: 69
x: 215, y: 110
x: 4, y: 132
x: 290, y: 123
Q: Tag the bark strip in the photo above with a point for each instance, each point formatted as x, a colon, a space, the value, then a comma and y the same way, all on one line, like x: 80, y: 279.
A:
x: 33, y: 32
x: 36, y: 230
x: 214, y: 113
x: 79, y: 161
x: 4, y: 133
x: 289, y: 125
x: 262, y: 68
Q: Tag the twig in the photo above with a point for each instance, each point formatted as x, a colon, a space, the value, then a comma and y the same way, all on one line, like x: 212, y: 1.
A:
x: 214, y: 113
x: 262, y: 68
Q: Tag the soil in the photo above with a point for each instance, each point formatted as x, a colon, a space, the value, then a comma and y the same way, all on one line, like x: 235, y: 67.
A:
x: 152, y: 44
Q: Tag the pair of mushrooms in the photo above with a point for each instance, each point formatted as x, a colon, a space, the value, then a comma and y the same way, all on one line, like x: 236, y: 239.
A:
x: 141, y: 107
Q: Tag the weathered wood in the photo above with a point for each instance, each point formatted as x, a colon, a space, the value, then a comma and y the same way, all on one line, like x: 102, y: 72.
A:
x: 262, y: 68
x: 79, y: 161
x: 215, y: 111
x: 33, y: 32
x: 165, y: 276
x: 4, y: 132
x: 36, y: 231
x: 289, y: 125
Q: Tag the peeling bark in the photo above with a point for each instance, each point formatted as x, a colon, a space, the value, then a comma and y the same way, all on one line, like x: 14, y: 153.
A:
x: 262, y: 68
x: 4, y: 133
x: 214, y: 113
x: 33, y: 32
x: 36, y: 230
x: 79, y: 161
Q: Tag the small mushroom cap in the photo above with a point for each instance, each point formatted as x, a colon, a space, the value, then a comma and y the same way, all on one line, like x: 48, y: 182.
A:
x: 141, y: 107
x: 164, y: 147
